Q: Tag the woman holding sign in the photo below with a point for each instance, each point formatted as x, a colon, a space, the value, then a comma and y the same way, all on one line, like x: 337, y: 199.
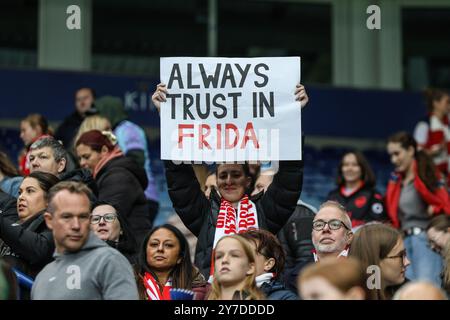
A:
x: 234, y: 211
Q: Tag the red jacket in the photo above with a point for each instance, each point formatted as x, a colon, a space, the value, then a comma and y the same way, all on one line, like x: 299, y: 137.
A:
x: 439, y: 199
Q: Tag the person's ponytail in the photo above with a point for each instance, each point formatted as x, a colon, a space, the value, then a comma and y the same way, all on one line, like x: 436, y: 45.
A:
x: 427, y: 171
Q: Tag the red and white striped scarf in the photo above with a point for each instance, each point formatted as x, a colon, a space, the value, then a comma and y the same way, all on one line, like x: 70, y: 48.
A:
x: 152, y: 288
x: 231, y: 222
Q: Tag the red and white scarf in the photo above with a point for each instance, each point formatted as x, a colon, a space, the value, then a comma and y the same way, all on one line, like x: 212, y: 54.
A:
x: 231, y: 222
x: 152, y: 288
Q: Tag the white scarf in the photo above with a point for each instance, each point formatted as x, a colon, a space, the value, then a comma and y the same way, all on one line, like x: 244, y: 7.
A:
x: 344, y: 253
x: 262, y: 278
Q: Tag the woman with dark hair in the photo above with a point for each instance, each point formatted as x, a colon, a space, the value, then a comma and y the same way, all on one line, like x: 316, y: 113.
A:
x: 121, y: 181
x: 165, y: 263
x: 382, y: 246
x: 233, y: 209
x: 356, y: 190
x: 9, y: 176
x: 415, y: 193
x: 32, y: 128
x: 27, y: 244
x: 432, y: 133
x: 269, y: 261
x: 112, y: 228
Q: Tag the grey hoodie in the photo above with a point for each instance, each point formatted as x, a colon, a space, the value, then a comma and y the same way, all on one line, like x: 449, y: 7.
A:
x: 96, y: 272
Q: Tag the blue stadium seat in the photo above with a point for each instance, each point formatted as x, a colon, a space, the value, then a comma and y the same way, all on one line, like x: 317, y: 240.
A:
x: 10, y: 143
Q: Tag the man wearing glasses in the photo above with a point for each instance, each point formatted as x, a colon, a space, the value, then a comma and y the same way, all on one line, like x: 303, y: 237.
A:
x: 332, y: 233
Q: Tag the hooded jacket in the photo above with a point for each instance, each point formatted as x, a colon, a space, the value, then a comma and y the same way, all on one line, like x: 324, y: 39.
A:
x: 95, y: 272
x: 121, y: 182
x: 199, y: 214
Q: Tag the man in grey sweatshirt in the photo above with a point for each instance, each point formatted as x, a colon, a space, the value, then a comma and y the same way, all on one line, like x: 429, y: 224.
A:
x: 85, y: 267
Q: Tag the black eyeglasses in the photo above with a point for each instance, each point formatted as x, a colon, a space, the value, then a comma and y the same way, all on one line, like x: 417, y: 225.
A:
x: 333, y: 224
x: 108, y: 217
x: 401, y: 254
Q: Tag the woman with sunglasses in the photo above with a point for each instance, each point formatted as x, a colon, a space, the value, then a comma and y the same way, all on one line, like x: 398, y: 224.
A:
x: 111, y: 228
x: 382, y: 253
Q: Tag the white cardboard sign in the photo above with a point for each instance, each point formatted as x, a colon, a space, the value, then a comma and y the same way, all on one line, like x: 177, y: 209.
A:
x: 230, y: 109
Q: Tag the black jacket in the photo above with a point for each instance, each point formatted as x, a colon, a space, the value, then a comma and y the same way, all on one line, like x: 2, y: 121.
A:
x: 8, y: 206
x: 127, y: 243
x: 121, y: 182
x: 275, y: 290
x: 199, y: 214
x: 67, y: 131
x: 28, y: 246
x: 363, y: 205
x: 295, y: 238
x: 84, y: 176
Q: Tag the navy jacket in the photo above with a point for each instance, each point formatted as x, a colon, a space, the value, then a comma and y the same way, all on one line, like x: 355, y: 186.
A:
x: 275, y: 290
